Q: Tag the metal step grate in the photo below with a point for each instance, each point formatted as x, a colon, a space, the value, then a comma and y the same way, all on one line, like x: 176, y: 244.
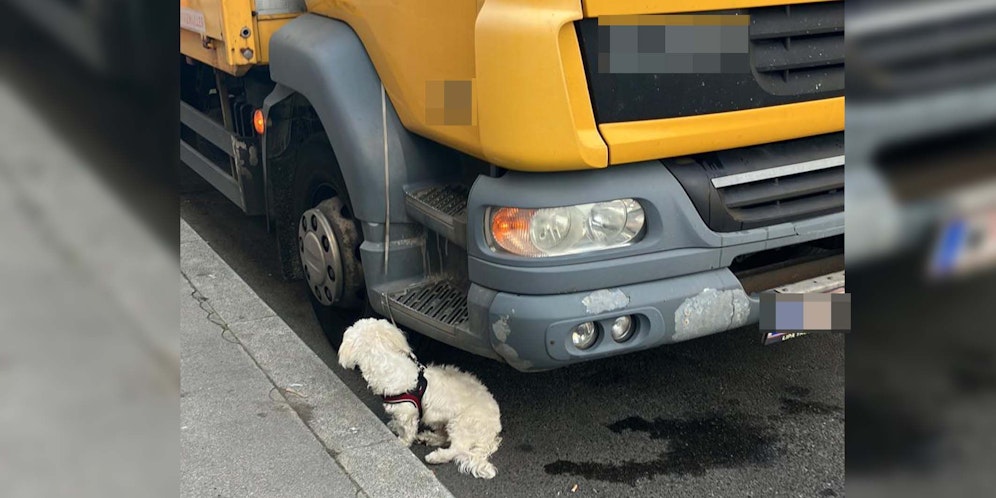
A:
x: 442, y: 301
x: 448, y: 199
x: 441, y: 208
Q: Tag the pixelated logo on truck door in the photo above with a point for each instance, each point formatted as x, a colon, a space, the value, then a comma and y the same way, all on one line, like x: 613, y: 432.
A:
x: 449, y: 103
x: 192, y: 20
x: 673, y: 44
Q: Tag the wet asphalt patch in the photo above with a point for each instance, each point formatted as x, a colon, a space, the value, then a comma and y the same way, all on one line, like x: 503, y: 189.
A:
x: 796, y: 406
x: 795, y: 403
x: 695, y: 444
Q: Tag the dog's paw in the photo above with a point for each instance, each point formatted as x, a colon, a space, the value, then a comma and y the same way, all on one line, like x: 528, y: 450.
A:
x: 439, y: 456
x: 486, y: 471
x: 430, y: 438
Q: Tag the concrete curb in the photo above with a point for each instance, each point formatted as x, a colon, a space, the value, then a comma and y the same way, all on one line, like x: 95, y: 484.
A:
x: 353, y: 435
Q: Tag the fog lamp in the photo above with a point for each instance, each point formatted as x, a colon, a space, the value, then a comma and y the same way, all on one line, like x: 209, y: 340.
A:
x: 584, y: 334
x: 622, y: 328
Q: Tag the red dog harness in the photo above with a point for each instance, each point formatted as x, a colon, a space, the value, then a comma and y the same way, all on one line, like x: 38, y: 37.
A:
x: 413, y: 396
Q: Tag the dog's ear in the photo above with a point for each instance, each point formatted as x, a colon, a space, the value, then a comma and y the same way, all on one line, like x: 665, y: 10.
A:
x: 397, y: 339
x: 347, y: 350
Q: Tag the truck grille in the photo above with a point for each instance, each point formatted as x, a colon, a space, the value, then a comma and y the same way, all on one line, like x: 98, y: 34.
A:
x: 796, y: 53
x: 798, y: 49
x: 789, y: 195
x: 765, y: 185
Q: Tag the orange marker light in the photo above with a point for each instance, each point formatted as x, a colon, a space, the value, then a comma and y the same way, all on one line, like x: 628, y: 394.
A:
x: 258, y: 122
x: 510, y: 229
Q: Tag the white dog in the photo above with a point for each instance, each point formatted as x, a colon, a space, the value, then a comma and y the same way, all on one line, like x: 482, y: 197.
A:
x: 454, y: 405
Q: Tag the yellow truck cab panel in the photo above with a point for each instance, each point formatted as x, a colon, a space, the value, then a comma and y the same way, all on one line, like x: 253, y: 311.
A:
x: 521, y: 79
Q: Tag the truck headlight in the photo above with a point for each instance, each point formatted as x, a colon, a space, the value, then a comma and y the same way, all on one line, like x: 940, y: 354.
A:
x: 565, y: 230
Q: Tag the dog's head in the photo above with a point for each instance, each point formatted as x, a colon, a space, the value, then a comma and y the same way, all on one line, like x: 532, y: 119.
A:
x: 383, y: 355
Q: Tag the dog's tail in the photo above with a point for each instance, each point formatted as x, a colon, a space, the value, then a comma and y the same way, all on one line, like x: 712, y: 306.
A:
x: 475, y: 465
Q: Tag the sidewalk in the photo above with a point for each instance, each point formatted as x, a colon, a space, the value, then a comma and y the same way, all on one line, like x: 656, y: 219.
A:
x: 88, y: 345
x: 260, y: 413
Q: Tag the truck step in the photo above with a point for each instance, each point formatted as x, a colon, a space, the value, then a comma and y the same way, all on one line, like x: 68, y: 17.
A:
x: 442, y: 208
x: 432, y: 305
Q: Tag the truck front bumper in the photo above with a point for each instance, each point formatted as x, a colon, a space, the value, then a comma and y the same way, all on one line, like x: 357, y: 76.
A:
x: 533, y: 333
x: 675, y: 281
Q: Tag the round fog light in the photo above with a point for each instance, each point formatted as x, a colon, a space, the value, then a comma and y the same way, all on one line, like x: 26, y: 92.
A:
x: 583, y: 335
x: 622, y: 328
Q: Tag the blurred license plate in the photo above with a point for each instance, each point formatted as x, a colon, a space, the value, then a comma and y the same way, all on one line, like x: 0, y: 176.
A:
x: 826, y: 284
x: 966, y: 243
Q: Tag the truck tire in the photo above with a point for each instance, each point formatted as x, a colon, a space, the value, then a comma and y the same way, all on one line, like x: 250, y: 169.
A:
x: 328, y: 240
x: 319, y: 190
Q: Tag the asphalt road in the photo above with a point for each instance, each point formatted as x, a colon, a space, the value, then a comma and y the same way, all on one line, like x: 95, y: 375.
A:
x: 718, y: 416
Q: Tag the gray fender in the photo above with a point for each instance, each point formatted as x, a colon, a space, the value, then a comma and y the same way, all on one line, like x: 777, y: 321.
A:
x: 324, y: 60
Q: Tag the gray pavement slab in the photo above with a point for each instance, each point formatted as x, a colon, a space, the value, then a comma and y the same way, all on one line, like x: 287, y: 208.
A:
x: 239, y: 436
x: 187, y: 234
x: 325, y: 410
x: 231, y: 297
x: 376, y: 466
x: 316, y: 389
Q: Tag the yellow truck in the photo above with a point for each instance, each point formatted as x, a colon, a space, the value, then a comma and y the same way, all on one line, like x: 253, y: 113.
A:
x: 541, y: 183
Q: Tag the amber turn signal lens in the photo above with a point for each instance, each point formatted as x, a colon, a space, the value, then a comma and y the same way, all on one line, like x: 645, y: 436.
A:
x: 258, y: 122
x: 510, y: 229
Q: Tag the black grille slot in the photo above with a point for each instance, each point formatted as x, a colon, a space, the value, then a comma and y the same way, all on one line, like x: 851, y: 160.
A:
x: 798, y: 49
x: 751, y: 187
x: 789, y: 197
x: 783, y: 189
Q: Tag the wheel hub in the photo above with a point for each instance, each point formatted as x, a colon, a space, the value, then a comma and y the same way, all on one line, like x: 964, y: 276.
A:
x: 320, y: 256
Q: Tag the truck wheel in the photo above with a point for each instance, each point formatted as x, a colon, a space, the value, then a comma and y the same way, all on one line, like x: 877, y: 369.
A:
x: 328, y: 240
